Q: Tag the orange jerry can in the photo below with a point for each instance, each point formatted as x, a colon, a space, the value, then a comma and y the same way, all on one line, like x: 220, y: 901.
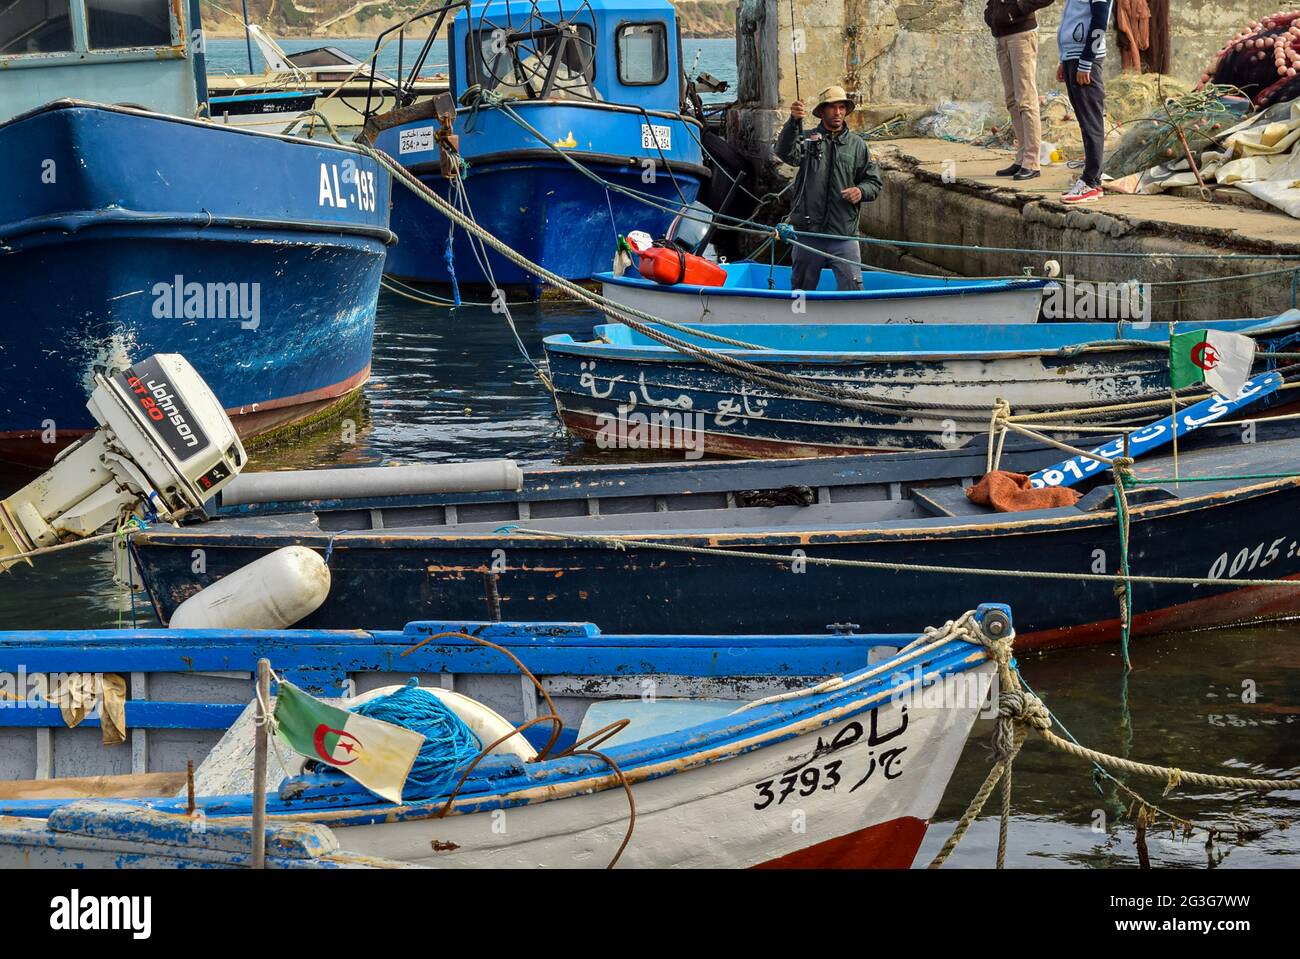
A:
x: 669, y: 265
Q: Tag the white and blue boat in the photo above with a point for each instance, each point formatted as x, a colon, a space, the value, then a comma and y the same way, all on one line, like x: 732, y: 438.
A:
x: 132, y: 224
x: 760, y: 293
x: 545, y: 88
x: 716, y: 739
x: 919, y: 387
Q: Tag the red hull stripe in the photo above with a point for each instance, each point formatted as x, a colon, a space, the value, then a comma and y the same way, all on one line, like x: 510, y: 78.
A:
x: 888, y: 845
x: 25, y: 446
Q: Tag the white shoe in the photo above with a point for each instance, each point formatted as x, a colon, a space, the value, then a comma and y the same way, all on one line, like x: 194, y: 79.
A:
x: 1079, y: 187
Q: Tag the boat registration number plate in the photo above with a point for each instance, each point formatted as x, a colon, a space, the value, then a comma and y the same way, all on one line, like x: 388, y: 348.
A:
x: 418, y: 140
x: 656, y: 136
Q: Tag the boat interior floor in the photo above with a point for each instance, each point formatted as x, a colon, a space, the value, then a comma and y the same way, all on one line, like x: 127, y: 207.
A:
x: 833, y: 507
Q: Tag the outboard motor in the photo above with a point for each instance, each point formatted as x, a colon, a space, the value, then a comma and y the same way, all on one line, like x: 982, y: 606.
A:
x: 163, y: 446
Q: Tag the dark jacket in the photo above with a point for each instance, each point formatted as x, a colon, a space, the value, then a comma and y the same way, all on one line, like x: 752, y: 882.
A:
x: 828, y: 164
x: 1006, y: 17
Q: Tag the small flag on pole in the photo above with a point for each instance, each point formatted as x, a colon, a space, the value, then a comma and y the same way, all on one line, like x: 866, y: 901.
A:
x: 1221, y: 361
x: 377, y: 754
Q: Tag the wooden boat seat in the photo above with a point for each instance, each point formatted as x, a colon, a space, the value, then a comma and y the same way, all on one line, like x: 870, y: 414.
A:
x: 947, y: 501
x: 652, y: 717
x: 132, y: 786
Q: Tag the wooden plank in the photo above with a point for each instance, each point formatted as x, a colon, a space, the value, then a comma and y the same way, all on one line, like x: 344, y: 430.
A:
x: 139, y: 736
x: 45, y: 747
x: 529, y: 694
x: 91, y: 787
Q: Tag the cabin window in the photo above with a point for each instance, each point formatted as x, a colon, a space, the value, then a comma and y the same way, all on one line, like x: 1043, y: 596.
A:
x: 35, y: 26
x: 115, y: 24
x: 495, y: 63
x: 642, y: 54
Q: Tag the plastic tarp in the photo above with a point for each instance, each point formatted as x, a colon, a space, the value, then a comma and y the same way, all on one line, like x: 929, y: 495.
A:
x: 1258, y: 156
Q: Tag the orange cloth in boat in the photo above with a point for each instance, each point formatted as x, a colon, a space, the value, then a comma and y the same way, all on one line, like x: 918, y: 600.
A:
x: 1011, y: 493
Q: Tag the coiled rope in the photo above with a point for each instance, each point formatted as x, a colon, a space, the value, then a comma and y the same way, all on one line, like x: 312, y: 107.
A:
x: 449, y: 744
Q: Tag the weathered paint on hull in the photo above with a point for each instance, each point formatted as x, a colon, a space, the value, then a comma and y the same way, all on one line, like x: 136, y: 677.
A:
x: 391, y: 577
x: 708, y: 816
x: 86, y: 268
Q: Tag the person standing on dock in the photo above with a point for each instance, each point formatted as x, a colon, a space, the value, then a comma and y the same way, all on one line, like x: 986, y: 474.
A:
x: 1015, y: 34
x: 1082, y: 39
x: 836, y: 176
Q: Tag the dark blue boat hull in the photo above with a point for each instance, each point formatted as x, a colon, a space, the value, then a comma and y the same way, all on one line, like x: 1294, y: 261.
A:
x: 139, y: 206
x: 390, y: 576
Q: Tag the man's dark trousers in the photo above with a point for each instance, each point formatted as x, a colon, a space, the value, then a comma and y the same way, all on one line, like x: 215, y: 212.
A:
x: 1089, y: 104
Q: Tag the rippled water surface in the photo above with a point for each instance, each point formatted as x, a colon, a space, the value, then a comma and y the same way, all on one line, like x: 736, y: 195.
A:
x: 453, y: 385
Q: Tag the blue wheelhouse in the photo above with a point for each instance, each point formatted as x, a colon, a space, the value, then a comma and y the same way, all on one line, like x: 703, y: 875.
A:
x: 561, y: 108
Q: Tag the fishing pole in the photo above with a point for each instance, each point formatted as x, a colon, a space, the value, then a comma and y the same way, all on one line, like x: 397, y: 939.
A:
x: 794, y: 49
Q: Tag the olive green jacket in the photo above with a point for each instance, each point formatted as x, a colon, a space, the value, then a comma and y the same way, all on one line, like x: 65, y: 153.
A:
x: 828, y: 164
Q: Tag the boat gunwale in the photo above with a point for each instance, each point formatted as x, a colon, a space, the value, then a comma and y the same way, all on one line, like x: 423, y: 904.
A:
x: 937, y: 528
x: 654, y: 757
x: 962, y: 287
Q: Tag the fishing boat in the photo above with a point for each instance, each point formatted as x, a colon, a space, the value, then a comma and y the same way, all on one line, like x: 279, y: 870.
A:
x: 760, y: 293
x: 134, y: 228
x: 856, y: 734
x: 917, y: 386
x: 580, y: 543
x: 348, y: 89
x: 573, y: 94
x: 98, y: 834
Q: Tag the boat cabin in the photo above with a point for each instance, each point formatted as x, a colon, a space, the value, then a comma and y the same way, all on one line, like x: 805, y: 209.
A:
x: 143, y: 53
x: 616, y: 51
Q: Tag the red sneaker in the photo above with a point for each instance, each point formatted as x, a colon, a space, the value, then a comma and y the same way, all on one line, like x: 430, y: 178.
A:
x: 1082, y: 193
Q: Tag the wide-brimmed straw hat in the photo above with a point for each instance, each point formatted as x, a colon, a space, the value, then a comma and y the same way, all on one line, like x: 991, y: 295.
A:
x: 832, y: 94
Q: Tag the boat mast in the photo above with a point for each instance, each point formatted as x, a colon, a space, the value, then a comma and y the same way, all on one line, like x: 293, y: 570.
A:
x: 248, y: 41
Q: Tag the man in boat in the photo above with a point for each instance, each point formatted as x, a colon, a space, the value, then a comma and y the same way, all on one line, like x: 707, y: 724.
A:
x: 836, y: 175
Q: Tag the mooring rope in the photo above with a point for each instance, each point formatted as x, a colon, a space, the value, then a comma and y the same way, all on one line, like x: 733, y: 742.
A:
x: 636, y: 541
x: 1021, y: 711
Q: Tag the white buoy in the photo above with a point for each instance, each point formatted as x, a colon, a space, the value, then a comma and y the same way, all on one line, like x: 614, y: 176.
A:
x: 273, y: 592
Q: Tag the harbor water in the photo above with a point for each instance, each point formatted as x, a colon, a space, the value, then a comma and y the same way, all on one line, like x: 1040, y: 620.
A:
x: 452, y: 385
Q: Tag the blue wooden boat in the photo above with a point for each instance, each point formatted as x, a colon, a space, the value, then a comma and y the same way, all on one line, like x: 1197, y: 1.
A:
x: 130, y: 230
x: 928, y: 386
x: 95, y: 834
x: 718, y: 739
x: 597, y: 83
x: 760, y: 293
x: 530, y: 554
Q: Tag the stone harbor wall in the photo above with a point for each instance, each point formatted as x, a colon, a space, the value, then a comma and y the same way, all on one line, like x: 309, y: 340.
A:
x: 918, y: 53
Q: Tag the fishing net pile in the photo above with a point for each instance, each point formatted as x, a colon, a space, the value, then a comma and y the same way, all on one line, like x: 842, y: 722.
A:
x: 1262, y: 60
x: 1239, y: 128
x: 1156, y: 136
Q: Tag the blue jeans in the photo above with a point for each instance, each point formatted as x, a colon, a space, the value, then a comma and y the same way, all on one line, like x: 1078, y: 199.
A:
x: 808, y: 265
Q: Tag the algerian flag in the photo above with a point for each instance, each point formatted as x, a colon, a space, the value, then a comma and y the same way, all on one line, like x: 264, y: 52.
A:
x: 1221, y: 361
x: 377, y: 754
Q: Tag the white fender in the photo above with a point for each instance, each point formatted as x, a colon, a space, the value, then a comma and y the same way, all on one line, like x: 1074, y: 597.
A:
x: 488, y: 724
x: 273, y: 592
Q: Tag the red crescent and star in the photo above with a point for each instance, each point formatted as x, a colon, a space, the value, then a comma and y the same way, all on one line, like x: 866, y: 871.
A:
x: 1205, y: 356
x: 349, y: 745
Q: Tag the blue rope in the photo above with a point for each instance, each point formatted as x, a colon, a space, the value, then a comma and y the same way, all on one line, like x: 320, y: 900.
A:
x: 449, y: 745
x: 450, y: 260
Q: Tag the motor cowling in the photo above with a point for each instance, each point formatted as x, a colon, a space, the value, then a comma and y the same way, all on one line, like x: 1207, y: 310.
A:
x: 164, y: 445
